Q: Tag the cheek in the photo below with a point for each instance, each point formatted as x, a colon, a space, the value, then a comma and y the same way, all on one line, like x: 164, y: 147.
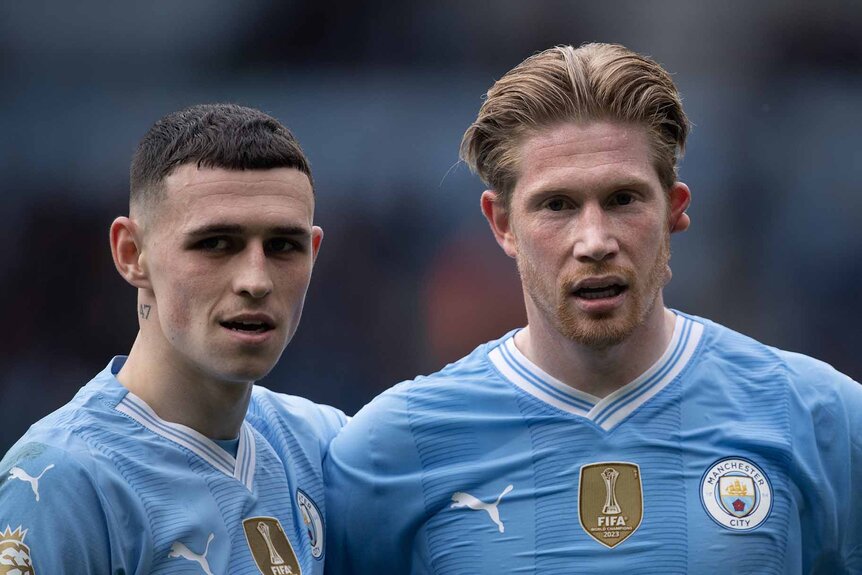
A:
x: 293, y: 285
x: 180, y: 295
x: 175, y: 307
x: 296, y: 283
x: 645, y: 239
x: 542, y: 244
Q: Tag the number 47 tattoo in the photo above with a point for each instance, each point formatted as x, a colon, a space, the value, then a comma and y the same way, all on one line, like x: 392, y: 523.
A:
x: 144, y: 310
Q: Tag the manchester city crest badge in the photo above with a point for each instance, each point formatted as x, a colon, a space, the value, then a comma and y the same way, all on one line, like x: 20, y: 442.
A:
x: 736, y: 494
x: 313, y: 522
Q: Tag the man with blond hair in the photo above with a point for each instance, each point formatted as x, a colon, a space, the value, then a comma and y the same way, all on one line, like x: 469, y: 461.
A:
x: 611, y: 434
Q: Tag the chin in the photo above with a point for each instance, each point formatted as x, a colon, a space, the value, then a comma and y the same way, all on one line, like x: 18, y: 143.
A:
x: 601, y: 332
x: 247, y: 364
x: 245, y: 371
x: 598, y: 332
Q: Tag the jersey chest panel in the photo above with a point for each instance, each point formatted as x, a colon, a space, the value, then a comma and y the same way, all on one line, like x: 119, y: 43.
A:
x: 546, y: 492
x: 197, y: 518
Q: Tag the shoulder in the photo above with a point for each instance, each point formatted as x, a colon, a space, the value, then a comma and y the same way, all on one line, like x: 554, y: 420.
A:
x: 822, y: 389
x: 76, y: 427
x: 376, y: 468
x: 64, y: 433
x: 812, y: 383
x: 63, y: 446
x: 77, y: 444
x: 471, y: 376
x: 49, y: 494
x: 389, y: 423
x: 725, y: 346
x: 64, y: 468
x: 43, y: 485
x: 269, y: 410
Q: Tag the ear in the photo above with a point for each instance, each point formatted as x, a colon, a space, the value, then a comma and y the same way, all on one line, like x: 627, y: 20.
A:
x: 498, y: 218
x: 316, y: 240
x: 127, y: 250
x: 679, y: 198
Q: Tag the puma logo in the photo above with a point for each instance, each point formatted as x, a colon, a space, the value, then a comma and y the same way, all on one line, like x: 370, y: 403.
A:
x: 461, y: 499
x: 180, y: 550
x: 18, y: 473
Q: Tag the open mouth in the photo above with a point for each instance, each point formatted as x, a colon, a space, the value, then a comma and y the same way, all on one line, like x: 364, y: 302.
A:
x: 600, y: 292
x: 247, y: 326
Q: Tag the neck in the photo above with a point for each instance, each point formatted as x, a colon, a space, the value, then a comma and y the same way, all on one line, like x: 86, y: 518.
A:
x: 598, y: 372
x: 182, y: 394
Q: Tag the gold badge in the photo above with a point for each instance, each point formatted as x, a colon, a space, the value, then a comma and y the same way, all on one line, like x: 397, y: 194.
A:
x: 610, y: 501
x: 14, y: 554
x: 270, y: 547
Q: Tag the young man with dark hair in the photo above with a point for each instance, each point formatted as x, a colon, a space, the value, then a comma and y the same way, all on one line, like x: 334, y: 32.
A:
x: 171, y: 460
x: 611, y: 434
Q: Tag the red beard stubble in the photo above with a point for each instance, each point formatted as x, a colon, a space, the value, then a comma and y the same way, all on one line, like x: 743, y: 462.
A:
x: 605, y: 330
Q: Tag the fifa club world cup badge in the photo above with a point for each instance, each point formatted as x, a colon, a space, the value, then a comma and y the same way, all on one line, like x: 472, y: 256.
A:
x: 736, y: 494
x: 270, y: 547
x: 14, y: 555
x: 610, y: 501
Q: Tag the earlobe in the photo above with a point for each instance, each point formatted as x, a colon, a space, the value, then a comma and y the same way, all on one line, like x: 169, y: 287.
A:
x: 679, y: 198
x: 498, y: 218
x: 126, y: 250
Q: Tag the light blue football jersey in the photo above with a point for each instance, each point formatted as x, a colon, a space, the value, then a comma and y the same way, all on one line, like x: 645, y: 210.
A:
x: 726, y: 456
x: 104, y: 486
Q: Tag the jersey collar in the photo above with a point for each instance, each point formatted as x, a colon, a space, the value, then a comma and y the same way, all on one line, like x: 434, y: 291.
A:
x: 609, y: 411
x: 241, y: 467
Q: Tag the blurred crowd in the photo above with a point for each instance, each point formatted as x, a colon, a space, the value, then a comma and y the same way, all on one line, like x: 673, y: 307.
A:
x: 379, y: 94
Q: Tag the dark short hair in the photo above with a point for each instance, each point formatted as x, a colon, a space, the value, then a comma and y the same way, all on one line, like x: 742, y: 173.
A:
x: 212, y: 136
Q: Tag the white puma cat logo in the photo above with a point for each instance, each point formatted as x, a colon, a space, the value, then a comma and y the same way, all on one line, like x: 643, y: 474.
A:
x: 19, y: 473
x: 461, y: 499
x: 180, y: 550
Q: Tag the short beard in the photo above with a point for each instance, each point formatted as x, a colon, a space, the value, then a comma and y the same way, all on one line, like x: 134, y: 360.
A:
x: 599, y: 331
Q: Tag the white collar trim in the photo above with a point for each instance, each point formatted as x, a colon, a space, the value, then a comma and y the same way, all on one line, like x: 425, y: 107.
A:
x: 241, y: 468
x: 609, y: 411
x: 515, y: 366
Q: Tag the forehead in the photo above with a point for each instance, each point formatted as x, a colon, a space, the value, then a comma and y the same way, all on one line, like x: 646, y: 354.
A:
x: 274, y: 197
x: 588, y: 155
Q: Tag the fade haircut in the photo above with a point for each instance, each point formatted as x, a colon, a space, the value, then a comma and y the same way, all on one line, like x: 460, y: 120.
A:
x: 212, y: 136
x: 596, y: 82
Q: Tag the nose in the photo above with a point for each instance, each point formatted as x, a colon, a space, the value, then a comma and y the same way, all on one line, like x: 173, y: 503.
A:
x: 595, y: 238
x: 252, y: 276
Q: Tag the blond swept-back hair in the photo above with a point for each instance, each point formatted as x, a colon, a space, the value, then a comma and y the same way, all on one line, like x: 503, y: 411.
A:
x: 562, y: 84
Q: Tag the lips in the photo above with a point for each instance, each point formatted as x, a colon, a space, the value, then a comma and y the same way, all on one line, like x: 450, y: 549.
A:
x: 600, y: 293
x: 599, y: 288
x: 249, y: 323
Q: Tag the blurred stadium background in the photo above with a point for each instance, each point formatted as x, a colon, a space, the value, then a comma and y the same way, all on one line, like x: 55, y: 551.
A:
x: 379, y: 94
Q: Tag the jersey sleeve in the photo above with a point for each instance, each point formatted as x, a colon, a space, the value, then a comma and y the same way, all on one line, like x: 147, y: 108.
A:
x: 51, y: 517
x: 850, y: 546
x: 374, y: 497
x: 827, y: 432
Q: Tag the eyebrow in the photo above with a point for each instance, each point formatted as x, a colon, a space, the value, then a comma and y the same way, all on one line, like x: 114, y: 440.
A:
x: 632, y: 182
x: 235, y: 229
